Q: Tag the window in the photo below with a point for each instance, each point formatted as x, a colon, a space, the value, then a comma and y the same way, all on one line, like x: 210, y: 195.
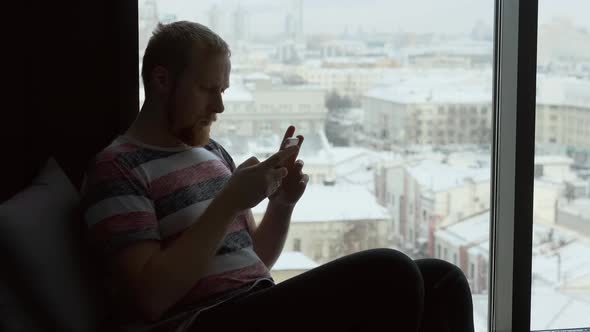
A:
x: 561, y: 242
x: 422, y: 91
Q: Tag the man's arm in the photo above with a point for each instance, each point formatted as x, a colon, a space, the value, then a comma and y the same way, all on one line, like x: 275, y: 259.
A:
x: 269, y: 237
x: 157, y: 278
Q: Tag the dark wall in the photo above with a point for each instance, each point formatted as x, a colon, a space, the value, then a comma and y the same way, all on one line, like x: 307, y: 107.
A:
x: 72, y: 69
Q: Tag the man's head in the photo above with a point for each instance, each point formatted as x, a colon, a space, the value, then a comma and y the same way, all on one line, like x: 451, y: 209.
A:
x: 185, y: 71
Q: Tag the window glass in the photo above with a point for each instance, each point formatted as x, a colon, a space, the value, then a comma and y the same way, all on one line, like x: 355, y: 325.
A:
x: 561, y: 215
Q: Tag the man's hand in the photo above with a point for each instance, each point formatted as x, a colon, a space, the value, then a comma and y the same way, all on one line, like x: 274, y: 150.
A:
x: 252, y: 181
x: 292, y: 186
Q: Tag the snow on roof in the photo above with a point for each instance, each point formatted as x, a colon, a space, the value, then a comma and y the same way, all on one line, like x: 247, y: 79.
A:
x: 553, y: 159
x: 293, y: 260
x: 574, y: 262
x: 454, y: 48
x: 474, y: 229
x: 579, y: 207
x: 470, y: 159
x: 438, y: 176
x: 470, y: 86
x: 482, y: 249
x: 441, y: 86
x: 563, y: 91
x: 550, y: 309
x: 334, y: 203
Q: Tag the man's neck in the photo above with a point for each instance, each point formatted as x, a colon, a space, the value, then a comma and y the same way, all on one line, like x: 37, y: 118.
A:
x: 149, y: 128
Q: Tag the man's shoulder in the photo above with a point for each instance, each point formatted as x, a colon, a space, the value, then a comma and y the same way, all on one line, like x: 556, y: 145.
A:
x: 216, y: 147
x: 112, y: 152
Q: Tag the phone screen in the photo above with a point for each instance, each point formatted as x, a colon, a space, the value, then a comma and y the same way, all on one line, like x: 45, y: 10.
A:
x: 291, y: 141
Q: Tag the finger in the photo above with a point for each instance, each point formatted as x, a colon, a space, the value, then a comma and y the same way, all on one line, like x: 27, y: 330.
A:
x: 278, y: 173
x: 303, y: 182
x: 301, y: 138
x: 299, y: 164
x: 271, y: 189
x: 281, y: 156
x: 249, y: 162
x: 288, y: 133
x: 298, y: 169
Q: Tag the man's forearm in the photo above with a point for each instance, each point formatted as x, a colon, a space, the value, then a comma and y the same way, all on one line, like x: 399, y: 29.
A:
x: 173, y: 271
x: 269, y: 237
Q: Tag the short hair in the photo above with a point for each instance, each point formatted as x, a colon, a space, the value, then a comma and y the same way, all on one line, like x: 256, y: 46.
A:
x: 173, y: 45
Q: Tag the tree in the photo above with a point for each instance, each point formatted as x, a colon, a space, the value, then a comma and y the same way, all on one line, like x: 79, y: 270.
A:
x: 335, y: 102
x: 337, y: 106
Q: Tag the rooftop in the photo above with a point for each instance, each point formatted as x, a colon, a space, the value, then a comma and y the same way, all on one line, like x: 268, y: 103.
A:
x: 474, y: 229
x: 293, y: 260
x: 579, y: 207
x: 334, y: 203
x: 428, y: 174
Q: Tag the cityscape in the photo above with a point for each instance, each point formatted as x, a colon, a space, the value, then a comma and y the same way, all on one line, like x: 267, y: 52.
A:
x: 398, y: 134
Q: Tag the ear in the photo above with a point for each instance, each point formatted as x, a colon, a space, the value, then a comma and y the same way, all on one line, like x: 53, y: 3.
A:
x: 161, y: 80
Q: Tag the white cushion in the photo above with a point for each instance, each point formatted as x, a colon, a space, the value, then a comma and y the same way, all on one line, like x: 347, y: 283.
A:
x: 41, y: 233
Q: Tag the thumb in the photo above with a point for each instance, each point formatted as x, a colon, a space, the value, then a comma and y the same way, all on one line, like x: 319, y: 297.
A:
x: 249, y: 162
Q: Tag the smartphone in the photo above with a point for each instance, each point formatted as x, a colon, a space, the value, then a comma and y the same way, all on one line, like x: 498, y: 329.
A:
x: 291, y: 141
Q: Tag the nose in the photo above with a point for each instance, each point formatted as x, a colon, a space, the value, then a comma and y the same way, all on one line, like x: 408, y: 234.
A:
x: 216, y: 105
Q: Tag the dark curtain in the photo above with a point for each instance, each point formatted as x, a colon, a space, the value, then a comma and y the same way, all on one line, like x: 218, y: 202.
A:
x: 71, y: 70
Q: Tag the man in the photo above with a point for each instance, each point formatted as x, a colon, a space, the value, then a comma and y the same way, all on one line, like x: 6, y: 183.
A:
x: 169, y: 216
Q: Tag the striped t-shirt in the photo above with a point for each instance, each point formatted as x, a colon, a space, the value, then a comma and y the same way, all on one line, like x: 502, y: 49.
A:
x: 134, y: 192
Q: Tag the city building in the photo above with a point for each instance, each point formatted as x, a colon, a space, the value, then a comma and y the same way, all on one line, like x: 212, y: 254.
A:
x: 563, y: 55
x: 563, y: 114
x: 291, y: 264
x: 559, y: 254
x: 466, y: 244
x: 426, y: 192
x: 575, y: 214
x: 555, y: 181
x: 431, y: 107
x: 241, y: 25
x: 331, y: 221
x: 451, y: 54
x: 352, y: 81
x: 257, y: 105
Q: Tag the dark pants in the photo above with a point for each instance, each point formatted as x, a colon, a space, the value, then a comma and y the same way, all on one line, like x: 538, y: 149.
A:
x: 373, y: 290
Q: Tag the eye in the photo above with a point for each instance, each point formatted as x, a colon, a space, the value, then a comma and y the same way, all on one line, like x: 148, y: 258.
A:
x: 205, y: 88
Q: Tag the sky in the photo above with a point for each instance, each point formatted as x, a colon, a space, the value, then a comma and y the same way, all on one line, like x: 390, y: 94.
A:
x: 330, y: 16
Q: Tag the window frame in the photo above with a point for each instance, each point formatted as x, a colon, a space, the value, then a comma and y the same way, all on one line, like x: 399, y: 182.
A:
x: 515, y: 59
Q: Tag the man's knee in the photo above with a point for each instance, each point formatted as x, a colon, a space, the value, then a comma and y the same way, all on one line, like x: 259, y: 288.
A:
x: 389, y: 265
x: 440, y: 272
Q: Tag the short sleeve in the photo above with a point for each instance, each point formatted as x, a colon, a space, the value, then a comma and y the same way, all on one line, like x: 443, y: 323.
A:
x: 116, y: 208
x: 220, y: 150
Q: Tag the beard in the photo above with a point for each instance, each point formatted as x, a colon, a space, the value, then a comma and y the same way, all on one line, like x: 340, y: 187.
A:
x: 195, y: 135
